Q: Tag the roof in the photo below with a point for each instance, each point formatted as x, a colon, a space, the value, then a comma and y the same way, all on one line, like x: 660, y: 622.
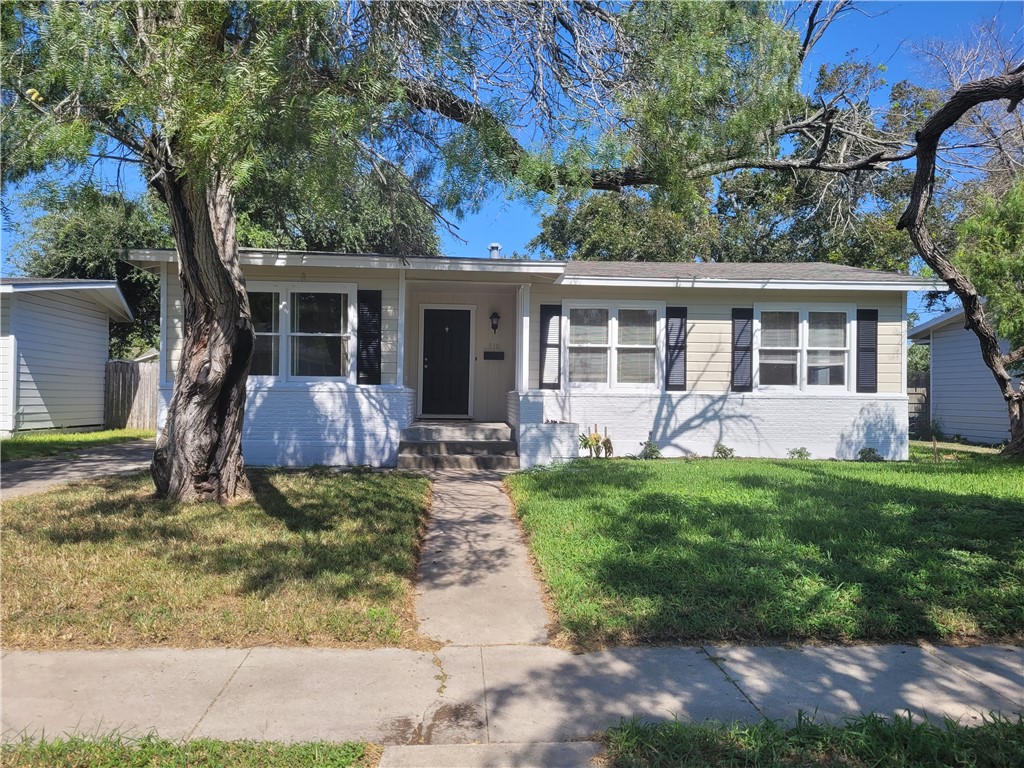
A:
x: 740, y: 274
x: 104, y: 293
x: 790, y: 275
x: 924, y: 330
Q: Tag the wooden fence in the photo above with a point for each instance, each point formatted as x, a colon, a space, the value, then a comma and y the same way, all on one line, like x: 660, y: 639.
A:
x: 917, y: 404
x: 131, y: 394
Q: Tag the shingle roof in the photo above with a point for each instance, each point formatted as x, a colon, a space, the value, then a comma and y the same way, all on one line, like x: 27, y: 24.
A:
x: 53, y: 281
x: 788, y: 271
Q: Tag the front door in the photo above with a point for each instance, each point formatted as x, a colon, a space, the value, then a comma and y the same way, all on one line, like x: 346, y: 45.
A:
x: 446, y: 362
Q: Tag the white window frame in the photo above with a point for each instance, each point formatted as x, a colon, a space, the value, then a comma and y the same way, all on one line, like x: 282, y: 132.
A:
x: 803, y: 310
x: 613, y: 308
x: 285, y: 289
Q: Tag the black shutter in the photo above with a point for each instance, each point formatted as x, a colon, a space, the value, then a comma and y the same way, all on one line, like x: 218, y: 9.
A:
x: 675, y: 349
x: 743, y: 349
x: 550, y: 346
x: 867, y: 350
x: 368, y: 337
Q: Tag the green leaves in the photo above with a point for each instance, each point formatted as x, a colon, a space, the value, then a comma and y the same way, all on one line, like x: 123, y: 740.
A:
x: 992, y: 255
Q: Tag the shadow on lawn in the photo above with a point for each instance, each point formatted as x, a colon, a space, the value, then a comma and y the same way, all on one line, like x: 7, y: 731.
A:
x: 807, y: 552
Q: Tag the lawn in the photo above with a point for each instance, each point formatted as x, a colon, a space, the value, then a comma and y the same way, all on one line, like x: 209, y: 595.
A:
x: 151, y: 752
x: 865, y: 742
x: 34, y: 445
x: 780, y: 550
x: 317, y: 558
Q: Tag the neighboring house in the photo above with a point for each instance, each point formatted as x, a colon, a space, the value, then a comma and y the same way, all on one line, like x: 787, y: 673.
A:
x: 963, y: 397
x: 352, y: 350
x: 53, y: 351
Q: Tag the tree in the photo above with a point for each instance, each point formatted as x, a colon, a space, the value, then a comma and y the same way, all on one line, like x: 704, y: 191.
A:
x: 202, y: 95
x: 81, y: 233
x: 991, y: 254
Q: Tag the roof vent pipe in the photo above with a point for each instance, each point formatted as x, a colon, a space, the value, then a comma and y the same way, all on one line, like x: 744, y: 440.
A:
x: 495, y: 249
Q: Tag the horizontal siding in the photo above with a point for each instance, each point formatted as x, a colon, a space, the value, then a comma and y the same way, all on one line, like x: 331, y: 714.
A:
x: 62, y: 354
x: 709, y: 326
x: 388, y: 286
x: 965, y: 399
x: 6, y: 350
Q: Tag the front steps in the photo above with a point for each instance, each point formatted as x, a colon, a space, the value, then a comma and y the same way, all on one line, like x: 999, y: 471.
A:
x: 454, y: 445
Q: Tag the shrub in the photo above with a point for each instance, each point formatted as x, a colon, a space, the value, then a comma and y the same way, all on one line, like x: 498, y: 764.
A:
x: 723, y: 451
x: 649, y: 450
x: 869, y: 454
x: 798, y: 453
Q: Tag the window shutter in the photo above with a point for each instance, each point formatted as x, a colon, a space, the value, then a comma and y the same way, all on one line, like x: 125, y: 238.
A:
x: 368, y: 333
x: 867, y: 350
x: 550, y: 346
x: 675, y: 349
x: 743, y: 349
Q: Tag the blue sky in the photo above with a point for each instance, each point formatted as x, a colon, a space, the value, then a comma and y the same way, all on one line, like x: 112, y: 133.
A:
x: 885, y: 32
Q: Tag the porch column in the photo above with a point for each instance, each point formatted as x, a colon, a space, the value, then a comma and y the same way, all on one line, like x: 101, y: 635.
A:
x: 401, y: 328
x: 523, y: 338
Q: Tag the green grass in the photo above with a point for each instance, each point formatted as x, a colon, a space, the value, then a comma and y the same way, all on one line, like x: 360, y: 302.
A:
x: 34, y: 445
x: 780, y: 550
x: 149, y: 751
x: 870, y: 741
x: 315, y: 558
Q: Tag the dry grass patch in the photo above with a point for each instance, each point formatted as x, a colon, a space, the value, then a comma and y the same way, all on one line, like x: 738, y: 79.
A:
x: 316, y: 558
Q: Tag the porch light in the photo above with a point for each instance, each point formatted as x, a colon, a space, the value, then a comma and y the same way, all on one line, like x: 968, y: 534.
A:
x: 495, y: 318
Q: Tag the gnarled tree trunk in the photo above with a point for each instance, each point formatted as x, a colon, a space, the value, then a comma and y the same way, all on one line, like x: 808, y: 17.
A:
x: 1010, y: 87
x: 199, y: 454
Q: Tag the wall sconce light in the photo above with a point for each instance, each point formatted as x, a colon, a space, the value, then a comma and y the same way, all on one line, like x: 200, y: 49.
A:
x: 495, y: 318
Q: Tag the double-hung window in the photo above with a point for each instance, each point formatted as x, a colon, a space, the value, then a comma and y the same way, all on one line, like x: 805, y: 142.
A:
x: 303, y: 330
x: 803, y: 347
x: 612, y: 345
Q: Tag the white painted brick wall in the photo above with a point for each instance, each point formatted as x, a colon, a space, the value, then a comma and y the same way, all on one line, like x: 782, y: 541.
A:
x: 691, y: 423
x: 322, y: 423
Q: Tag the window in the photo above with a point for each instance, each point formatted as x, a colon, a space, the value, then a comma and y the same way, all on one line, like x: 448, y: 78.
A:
x: 265, y: 307
x: 801, y: 348
x: 588, y: 346
x: 780, y: 348
x: 635, y: 351
x: 319, y: 334
x: 613, y: 346
x: 826, y: 348
x: 303, y: 331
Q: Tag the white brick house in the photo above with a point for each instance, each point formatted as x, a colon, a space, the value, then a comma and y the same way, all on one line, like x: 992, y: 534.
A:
x: 352, y: 350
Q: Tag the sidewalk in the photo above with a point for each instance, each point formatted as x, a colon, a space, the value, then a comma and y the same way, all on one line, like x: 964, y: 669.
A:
x: 18, y: 478
x: 520, y: 696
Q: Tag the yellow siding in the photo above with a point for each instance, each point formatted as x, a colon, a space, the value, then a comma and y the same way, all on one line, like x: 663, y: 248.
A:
x: 369, y: 280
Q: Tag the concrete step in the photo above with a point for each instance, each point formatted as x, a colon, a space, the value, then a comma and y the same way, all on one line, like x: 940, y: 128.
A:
x: 574, y: 754
x: 440, y: 461
x: 421, y: 432
x: 458, y: 447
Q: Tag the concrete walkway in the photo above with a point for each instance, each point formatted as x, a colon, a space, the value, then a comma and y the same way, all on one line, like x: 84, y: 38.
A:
x: 522, y: 704
x: 475, y: 586
x: 18, y: 478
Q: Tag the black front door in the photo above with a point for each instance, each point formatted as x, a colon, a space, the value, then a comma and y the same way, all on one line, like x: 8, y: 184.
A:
x: 446, y: 362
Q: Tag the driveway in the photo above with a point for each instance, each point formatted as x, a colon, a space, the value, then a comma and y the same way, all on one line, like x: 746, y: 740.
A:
x: 18, y: 478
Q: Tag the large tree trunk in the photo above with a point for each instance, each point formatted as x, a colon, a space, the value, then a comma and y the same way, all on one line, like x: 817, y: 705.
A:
x: 1010, y: 87
x: 199, y: 454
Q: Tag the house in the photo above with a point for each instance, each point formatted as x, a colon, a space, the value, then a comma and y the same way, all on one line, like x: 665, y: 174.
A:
x: 963, y: 397
x: 354, y: 352
x: 53, y: 351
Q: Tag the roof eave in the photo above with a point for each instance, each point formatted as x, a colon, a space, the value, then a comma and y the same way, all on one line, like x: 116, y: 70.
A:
x: 773, y: 284
x: 106, y: 294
